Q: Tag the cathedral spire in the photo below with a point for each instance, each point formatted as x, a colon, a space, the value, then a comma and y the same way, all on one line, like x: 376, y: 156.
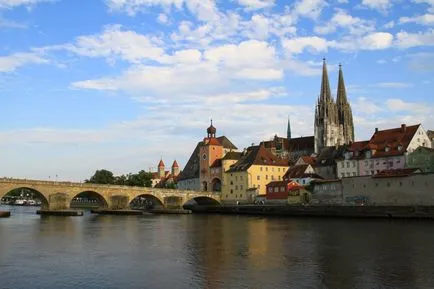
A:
x: 288, y: 130
x: 325, y: 95
x: 342, y: 94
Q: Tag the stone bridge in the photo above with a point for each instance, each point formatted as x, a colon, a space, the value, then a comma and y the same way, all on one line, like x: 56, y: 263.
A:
x: 58, y: 195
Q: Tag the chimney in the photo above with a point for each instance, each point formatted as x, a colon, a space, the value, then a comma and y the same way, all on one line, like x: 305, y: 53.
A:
x: 403, y: 127
x: 376, y: 129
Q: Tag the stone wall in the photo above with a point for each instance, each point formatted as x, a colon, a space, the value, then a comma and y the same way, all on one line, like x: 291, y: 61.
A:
x: 417, y: 189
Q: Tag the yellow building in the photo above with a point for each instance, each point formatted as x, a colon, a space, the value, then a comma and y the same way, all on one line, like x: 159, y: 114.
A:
x: 249, y: 176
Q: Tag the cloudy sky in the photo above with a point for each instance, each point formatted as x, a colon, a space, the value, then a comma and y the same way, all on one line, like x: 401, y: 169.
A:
x: 117, y: 84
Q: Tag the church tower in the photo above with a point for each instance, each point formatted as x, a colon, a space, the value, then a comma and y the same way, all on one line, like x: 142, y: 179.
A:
x: 344, y: 111
x: 333, y: 121
x: 288, y: 130
x: 326, y: 117
x: 161, y: 171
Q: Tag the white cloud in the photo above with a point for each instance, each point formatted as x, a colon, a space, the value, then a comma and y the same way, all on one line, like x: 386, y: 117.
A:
x: 162, y: 18
x: 8, y: 4
x: 299, y: 44
x: 12, y: 62
x: 393, y: 84
x: 380, y: 5
x: 389, y: 25
x: 5, y: 23
x: 397, y: 105
x: 406, y: 40
x: 309, y: 8
x: 344, y: 20
x: 426, y: 19
x: 203, y: 10
x: 429, y: 2
x: 115, y: 42
x: 256, y: 4
x: 371, y: 41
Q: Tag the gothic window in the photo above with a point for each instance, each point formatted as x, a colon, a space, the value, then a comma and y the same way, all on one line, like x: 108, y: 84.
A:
x: 204, y: 156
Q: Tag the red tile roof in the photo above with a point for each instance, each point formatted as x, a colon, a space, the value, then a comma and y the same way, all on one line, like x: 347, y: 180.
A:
x: 175, y: 164
x: 295, y: 172
x: 392, y: 139
x: 161, y: 164
x: 396, y: 173
x: 257, y: 155
x: 211, y: 141
x: 309, y: 160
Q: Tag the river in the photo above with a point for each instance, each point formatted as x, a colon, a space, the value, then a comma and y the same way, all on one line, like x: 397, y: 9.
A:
x: 212, y: 251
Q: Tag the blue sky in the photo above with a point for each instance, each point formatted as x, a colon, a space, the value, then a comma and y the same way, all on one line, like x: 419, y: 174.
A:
x: 117, y: 84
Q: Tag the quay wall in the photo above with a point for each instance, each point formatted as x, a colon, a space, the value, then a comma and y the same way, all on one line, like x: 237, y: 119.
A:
x: 413, y: 190
x: 399, y: 212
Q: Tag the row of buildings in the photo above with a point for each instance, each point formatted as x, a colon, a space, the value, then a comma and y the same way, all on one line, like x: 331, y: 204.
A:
x: 286, y: 166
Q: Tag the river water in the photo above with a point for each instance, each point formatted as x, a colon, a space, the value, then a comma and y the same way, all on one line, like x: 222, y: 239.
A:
x: 212, y: 251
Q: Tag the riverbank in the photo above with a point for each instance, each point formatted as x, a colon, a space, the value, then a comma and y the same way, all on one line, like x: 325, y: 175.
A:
x: 63, y: 213
x: 402, y: 212
x: 5, y: 214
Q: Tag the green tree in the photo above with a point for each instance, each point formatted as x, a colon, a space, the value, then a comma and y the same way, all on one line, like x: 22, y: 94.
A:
x: 102, y: 177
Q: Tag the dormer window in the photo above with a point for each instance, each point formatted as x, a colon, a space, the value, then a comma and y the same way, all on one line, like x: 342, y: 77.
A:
x: 387, y: 149
x: 400, y: 147
x: 368, y: 154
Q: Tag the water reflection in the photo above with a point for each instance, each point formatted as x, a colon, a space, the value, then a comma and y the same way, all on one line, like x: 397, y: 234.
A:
x: 212, y: 252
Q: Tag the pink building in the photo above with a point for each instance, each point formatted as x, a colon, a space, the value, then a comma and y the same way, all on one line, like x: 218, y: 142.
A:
x: 386, y: 150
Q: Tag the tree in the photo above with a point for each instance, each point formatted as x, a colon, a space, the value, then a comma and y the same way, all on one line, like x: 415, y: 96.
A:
x: 102, y: 177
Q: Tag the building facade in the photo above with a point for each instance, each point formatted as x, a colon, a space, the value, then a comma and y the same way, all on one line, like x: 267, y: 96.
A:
x: 422, y: 158
x: 386, y: 150
x: 333, y: 120
x: 199, y: 171
x: 249, y: 176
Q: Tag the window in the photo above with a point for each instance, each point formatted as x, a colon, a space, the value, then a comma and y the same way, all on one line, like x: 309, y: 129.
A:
x: 354, y: 164
x: 204, y: 156
x: 366, y: 163
x: 266, y: 169
x: 348, y: 164
x: 258, y: 178
x: 241, y: 177
x: 272, y: 177
x: 276, y: 189
x: 272, y: 169
x: 343, y: 175
x: 354, y: 174
x: 282, y: 189
x: 241, y: 187
x: 342, y: 165
x: 260, y: 169
x: 266, y: 177
x: 232, y: 191
x: 270, y: 189
x: 232, y: 182
x: 236, y: 178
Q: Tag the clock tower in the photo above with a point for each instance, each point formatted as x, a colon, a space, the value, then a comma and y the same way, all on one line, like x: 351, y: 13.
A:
x: 210, y: 151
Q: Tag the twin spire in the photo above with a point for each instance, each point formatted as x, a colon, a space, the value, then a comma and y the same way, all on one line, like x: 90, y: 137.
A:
x: 325, y: 94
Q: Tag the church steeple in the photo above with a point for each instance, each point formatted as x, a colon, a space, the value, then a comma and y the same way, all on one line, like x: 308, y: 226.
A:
x: 288, y: 130
x: 342, y: 93
x: 345, y: 114
x: 325, y: 94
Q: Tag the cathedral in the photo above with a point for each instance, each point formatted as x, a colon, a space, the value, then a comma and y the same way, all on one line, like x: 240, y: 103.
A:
x: 333, y: 120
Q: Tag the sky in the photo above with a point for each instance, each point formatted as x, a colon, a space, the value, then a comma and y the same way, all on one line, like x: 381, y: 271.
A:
x: 119, y: 84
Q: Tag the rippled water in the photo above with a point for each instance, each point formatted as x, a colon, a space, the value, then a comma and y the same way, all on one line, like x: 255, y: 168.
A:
x: 200, y: 251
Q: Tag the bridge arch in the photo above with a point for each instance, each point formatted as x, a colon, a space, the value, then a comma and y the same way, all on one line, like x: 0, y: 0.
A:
x: 146, y: 201
x: 88, y: 198
x: 203, y: 201
x: 25, y: 192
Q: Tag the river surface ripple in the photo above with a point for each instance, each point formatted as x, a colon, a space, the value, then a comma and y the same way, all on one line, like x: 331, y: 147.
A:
x: 212, y: 251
